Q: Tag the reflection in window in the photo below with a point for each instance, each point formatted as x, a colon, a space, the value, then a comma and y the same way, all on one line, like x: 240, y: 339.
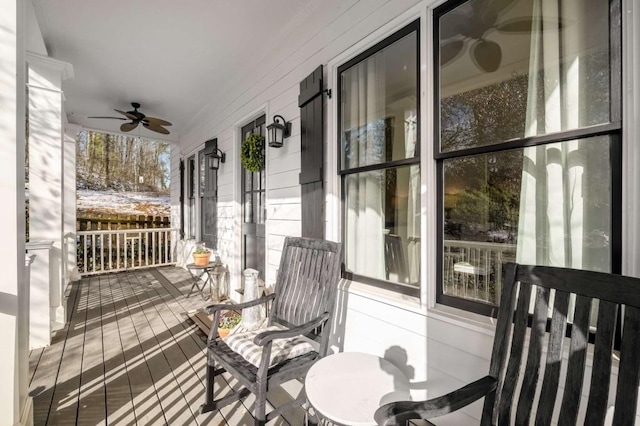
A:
x: 522, y: 68
x: 382, y: 224
x: 511, y: 72
x: 495, y: 212
x: 378, y: 91
x: 379, y: 130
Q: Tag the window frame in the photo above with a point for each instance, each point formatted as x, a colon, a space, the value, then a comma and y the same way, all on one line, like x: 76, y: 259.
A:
x: 410, y: 28
x: 613, y: 129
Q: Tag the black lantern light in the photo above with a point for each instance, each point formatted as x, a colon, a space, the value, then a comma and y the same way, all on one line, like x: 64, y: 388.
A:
x: 278, y: 130
x: 216, y: 158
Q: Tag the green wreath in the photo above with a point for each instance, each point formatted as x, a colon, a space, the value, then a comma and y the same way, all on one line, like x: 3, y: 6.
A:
x: 252, y: 153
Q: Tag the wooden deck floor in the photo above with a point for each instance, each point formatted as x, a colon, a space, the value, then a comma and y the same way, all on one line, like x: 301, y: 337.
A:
x: 130, y: 356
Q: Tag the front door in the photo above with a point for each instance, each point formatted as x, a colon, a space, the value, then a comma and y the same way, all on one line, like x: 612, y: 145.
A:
x: 208, y: 195
x: 253, y: 208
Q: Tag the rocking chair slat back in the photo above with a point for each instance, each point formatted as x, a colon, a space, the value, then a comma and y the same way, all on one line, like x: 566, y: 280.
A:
x: 629, y: 370
x: 545, y: 283
x: 575, y: 368
x: 599, y: 389
x: 306, y: 283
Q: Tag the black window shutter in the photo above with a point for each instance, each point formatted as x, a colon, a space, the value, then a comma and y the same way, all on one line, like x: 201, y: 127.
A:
x: 312, y: 154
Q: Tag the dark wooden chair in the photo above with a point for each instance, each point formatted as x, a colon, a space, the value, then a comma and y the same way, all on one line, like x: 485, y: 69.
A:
x: 301, y: 305
x: 512, y: 363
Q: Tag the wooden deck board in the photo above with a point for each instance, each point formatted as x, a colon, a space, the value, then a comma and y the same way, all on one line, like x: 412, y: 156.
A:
x: 119, y: 406
x: 91, y: 410
x: 131, y: 356
x: 64, y: 404
x: 46, y: 370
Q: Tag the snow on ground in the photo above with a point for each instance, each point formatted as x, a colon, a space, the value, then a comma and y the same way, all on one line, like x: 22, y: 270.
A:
x: 129, y: 203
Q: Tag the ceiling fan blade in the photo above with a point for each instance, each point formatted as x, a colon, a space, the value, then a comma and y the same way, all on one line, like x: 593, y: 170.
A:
x: 487, y: 55
x: 156, y: 121
x: 156, y: 128
x: 127, y: 114
x: 449, y: 51
x: 127, y: 127
x: 115, y: 118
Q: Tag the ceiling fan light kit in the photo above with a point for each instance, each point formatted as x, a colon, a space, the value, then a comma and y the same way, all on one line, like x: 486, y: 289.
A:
x: 136, y: 117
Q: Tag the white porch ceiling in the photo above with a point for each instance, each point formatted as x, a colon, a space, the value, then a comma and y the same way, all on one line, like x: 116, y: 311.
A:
x: 174, y: 57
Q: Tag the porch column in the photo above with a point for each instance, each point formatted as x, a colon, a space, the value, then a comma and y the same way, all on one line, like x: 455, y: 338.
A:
x: 45, y: 169
x: 70, y: 265
x: 14, y: 404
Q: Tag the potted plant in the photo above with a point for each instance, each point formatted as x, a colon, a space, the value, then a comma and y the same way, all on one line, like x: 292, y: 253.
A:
x: 252, y: 153
x: 201, y: 255
x: 226, y: 321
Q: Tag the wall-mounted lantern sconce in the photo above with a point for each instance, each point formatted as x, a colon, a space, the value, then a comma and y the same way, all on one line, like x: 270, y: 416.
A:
x: 216, y: 158
x: 278, y: 130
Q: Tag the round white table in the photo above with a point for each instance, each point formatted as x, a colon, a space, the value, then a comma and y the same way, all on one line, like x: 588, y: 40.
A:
x: 347, y: 388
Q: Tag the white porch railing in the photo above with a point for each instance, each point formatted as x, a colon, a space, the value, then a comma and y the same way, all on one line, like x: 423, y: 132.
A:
x: 100, y: 252
x: 473, y: 270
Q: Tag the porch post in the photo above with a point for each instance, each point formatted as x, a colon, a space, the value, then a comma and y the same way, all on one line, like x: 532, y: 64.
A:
x: 14, y: 336
x: 46, y: 189
x: 70, y: 265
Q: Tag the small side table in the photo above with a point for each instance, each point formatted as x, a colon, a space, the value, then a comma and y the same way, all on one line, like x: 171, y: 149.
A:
x: 347, y: 388
x: 207, y: 271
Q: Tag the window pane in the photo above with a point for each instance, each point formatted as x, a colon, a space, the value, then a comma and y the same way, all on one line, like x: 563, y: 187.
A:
x: 545, y: 205
x: 192, y: 177
x: 201, y: 158
x: 379, y: 106
x: 521, y: 68
x: 382, y: 224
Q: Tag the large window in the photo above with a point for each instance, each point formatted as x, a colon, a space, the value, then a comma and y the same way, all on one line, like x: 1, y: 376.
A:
x: 527, y: 141
x: 379, y: 162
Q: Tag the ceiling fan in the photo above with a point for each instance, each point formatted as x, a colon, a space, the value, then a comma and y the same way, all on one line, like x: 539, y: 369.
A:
x: 136, y: 117
x: 475, y: 24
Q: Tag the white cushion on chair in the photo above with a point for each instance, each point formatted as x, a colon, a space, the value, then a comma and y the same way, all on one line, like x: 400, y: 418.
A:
x: 281, y: 349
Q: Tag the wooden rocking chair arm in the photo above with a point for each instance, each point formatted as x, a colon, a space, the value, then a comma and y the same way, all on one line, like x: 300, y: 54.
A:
x: 399, y: 412
x: 237, y: 306
x: 267, y: 336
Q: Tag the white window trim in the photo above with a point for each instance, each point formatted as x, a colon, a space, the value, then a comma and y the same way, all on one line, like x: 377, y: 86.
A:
x: 427, y: 165
x: 630, y: 136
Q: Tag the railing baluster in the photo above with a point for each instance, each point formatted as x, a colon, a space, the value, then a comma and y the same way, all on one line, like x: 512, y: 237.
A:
x: 166, y: 246
x: 139, y: 249
x: 146, y: 249
x: 118, y: 251
x: 84, y: 252
x: 93, y: 253
x: 102, y: 252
